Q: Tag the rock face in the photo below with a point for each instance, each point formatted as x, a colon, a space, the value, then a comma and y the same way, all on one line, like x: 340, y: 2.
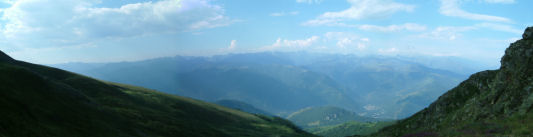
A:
x: 4, y: 57
x: 494, y: 102
x: 528, y: 33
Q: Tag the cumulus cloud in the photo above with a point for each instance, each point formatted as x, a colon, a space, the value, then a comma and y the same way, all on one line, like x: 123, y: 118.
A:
x: 285, y: 44
x: 392, y: 28
x: 76, y: 20
x: 348, y: 40
x: 361, y: 9
x: 452, y: 8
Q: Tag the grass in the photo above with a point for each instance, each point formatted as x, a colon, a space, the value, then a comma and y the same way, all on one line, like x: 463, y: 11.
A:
x: 37, y: 100
x: 350, y: 128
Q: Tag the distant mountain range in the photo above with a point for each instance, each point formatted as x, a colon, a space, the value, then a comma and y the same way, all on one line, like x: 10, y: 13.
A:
x: 42, y: 101
x: 281, y: 83
x: 489, y: 103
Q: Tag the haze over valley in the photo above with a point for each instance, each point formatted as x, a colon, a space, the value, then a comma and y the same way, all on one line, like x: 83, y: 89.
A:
x: 272, y: 68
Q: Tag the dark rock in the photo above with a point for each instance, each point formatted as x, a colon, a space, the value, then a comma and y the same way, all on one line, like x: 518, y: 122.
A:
x: 495, y: 95
x: 5, y: 58
x: 528, y: 33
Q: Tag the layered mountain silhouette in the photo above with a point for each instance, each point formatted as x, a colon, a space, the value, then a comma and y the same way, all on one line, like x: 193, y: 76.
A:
x: 42, y: 101
x: 281, y: 83
x: 489, y: 103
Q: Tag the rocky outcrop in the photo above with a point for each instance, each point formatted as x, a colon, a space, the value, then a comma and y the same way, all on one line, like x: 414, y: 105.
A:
x: 528, y: 34
x: 495, y: 102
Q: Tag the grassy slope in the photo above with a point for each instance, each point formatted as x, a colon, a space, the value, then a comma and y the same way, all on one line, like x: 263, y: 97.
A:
x: 489, y: 103
x: 335, y: 122
x: 43, y: 101
x: 324, y: 116
x: 350, y: 128
x: 238, y: 105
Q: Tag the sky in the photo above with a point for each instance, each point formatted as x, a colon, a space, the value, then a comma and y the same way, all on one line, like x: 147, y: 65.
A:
x: 61, y: 31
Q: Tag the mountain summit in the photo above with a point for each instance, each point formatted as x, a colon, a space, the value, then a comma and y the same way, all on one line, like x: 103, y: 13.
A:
x: 494, y: 102
x: 4, y: 57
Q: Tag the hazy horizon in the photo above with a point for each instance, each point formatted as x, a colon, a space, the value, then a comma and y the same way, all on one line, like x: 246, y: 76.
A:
x: 52, y: 32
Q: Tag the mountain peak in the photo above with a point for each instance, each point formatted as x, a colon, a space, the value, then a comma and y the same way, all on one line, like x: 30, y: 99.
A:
x: 520, y: 53
x: 528, y: 34
x: 500, y: 100
x: 4, y: 57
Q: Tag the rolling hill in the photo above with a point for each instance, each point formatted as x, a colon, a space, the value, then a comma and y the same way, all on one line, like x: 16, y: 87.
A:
x: 489, y: 103
x: 386, y: 87
x: 37, y: 100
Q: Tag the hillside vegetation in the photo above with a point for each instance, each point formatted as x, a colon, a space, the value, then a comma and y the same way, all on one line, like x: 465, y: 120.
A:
x: 489, y: 103
x: 324, y: 116
x: 350, y: 128
x: 239, y: 105
x: 41, y: 101
x: 336, y: 122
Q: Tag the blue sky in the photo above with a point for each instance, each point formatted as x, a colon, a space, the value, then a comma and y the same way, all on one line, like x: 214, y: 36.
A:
x: 60, y: 31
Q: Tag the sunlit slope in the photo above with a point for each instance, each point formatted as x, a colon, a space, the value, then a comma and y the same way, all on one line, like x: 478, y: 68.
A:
x: 489, y: 103
x: 239, y: 105
x: 336, y: 122
x: 42, y: 101
x: 350, y: 128
x: 324, y: 116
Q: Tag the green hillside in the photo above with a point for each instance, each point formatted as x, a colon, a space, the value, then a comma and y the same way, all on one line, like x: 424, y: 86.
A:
x: 41, y: 101
x: 239, y: 105
x: 324, y: 116
x: 489, y: 103
x: 350, y: 128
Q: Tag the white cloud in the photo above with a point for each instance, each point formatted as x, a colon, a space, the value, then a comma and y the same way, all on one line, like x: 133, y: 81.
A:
x: 447, y: 32
x: 309, y: 1
x: 361, y: 9
x: 348, y: 40
x: 500, y: 1
x: 62, y: 21
x: 499, y: 27
x: 454, y: 32
x: 452, y: 8
x: 326, y: 22
x: 233, y: 45
x: 282, y: 44
x: 388, y: 51
x: 392, y: 28
x: 277, y: 14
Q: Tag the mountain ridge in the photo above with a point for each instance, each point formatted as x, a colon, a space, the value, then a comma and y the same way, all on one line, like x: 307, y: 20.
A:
x: 5, y: 58
x: 489, y: 103
x: 43, y: 101
x: 347, y: 81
